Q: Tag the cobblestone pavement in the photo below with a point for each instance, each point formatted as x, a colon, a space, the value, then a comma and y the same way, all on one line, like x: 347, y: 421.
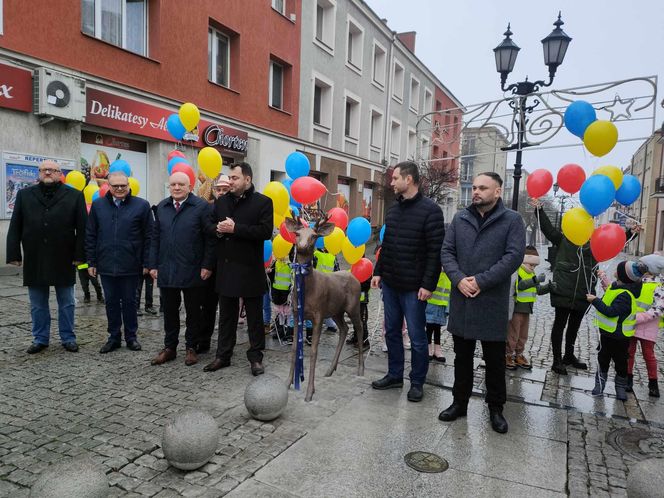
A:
x: 112, y: 408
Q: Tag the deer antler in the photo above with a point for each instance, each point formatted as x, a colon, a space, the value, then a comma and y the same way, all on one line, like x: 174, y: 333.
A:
x: 321, y: 218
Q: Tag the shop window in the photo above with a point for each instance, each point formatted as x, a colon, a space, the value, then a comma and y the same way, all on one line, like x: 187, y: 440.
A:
x: 119, y: 22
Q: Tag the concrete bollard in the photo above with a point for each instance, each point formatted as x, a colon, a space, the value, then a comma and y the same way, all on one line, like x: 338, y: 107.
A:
x: 73, y: 478
x: 266, y: 397
x: 190, y: 439
x: 645, y: 478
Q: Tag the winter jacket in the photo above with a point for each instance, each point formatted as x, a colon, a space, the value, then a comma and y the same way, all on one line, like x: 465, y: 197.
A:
x: 410, y: 253
x: 117, y: 238
x: 620, y: 307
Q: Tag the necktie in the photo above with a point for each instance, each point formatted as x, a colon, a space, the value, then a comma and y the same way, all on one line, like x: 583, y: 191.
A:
x: 177, y: 206
x: 117, y: 202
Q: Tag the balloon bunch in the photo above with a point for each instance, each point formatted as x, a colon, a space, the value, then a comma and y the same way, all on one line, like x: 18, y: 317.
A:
x: 599, y: 136
x: 92, y: 191
x: 186, y: 120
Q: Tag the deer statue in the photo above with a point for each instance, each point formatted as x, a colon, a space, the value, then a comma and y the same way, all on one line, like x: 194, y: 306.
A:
x: 326, y: 294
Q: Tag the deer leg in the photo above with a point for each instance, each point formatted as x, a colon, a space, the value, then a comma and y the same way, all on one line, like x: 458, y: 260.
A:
x: 293, y: 354
x: 315, y: 339
x: 343, y: 332
x: 359, y: 333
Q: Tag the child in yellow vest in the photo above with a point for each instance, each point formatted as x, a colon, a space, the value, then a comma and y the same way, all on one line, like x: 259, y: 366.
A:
x: 436, y: 316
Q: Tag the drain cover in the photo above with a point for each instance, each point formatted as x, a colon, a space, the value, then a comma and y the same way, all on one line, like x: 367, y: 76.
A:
x: 426, y: 462
x: 637, y: 442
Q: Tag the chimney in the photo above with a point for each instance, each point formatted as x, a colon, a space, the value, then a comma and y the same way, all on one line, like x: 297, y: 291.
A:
x: 408, y: 39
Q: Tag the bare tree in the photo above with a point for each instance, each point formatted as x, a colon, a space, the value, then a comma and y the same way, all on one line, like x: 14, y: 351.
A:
x: 438, y: 180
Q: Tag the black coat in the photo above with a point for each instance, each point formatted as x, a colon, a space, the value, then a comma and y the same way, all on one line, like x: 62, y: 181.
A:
x: 117, y: 239
x: 410, y: 254
x: 240, y: 269
x: 180, y: 246
x: 621, y: 306
x: 52, y: 233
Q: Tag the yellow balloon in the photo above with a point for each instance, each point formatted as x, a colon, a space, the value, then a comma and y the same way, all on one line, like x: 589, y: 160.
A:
x: 600, y: 137
x: 278, y: 219
x: 351, y: 253
x: 280, y: 247
x: 89, y: 191
x: 75, y: 179
x: 189, y: 115
x: 134, y: 186
x: 209, y: 160
x: 334, y: 241
x: 279, y: 195
x: 613, y: 172
x: 578, y: 226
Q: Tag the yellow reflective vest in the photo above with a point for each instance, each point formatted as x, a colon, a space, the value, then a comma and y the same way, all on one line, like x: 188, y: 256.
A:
x: 610, y: 323
x: 528, y: 295
x: 441, y: 296
x: 647, y: 298
x: 324, y: 261
x: 282, y: 276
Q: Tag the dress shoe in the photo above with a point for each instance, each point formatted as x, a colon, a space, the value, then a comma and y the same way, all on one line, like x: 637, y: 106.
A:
x: 191, y: 358
x: 558, y: 367
x: 109, y: 346
x: 257, y: 368
x: 522, y: 362
x: 415, y: 393
x: 166, y: 354
x: 202, y: 348
x: 150, y: 310
x: 216, y: 365
x: 509, y: 362
x: 139, y: 312
x: 134, y: 345
x: 387, y: 382
x: 72, y: 347
x: 439, y: 359
x: 574, y: 362
x: 453, y: 412
x: 498, y: 422
x: 35, y: 347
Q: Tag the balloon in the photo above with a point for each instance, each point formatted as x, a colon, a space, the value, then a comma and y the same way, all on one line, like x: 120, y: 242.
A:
x: 358, y: 231
x: 89, y: 190
x: 539, y: 182
x: 209, y: 161
x: 320, y: 243
x: 281, y: 247
x: 277, y: 219
x: 614, y: 174
x: 104, y: 188
x: 287, y: 183
x: 268, y: 263
x: 297, y: 165
x: 570, y: 178
x: 577, y: 226
x: 173, y: 161
x: 381, y: 235
x: 362, y: 270
x: 134, y: 186
x: 288, y: 236
x: 294, y: 210
x: 307, y: 190
x: 334, y: 241
x: 339, y: 217
x: 597, y: 194
x: 189, y: 116
x: 279, y: 195
x: 607, y: 241
x: 88, y: 207
x: 629, y: 190
x: 175, y: 153
x: 186, y: 169
x: 95, y: 196
x: 600, y: 137
x: 578, y: 116
x: 351, y: 253
x: 120, y: 166
x: 267, y: 250
x: 75, y: 179
x: 175, y: 127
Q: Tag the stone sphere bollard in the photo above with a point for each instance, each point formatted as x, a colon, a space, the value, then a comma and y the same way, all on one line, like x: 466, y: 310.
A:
x: 266, y: 397
x: 190, y: 439
x: 644, y: 479
x: 74, y: 478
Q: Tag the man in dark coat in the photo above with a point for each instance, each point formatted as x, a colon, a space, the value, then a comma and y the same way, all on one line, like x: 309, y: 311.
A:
x: 484, y: 245
x: 181, y: 259
x: 242, y: 221
x: 117, y: 244
x: 408, y: 270
x: 49, y: 222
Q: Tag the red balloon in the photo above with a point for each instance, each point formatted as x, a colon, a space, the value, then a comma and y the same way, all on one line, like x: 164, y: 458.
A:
x: 88, y: 207
x: 307, y: 190
x: 268, y: 263
x: 104, y: 189
x: 339, y: 217
x: 187, y: 170
x: 289, y: 236
x: 362, y: 270
x: 175, y: 153
x: 571, y: 177
x: 607, y: 241
x: 539, y: 182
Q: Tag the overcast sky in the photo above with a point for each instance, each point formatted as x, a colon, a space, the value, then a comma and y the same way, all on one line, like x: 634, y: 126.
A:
x: 612, y: 40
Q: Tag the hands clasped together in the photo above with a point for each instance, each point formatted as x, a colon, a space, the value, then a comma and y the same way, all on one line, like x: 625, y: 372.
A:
x: 468, y: 287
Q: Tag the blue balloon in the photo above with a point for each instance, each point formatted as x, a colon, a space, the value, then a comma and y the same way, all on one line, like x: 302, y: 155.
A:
x: 629, y: 191
x: 320, y: 243
x: 358, y: 231
x: 175, y: 127
x: 175, y: 160
x: 381, y: 235
x: 578, y: 116
x: 95, y: 196
x: 287, y: 183
x: 294, y: 210
x: 597, y: 194
x: 267, y: 251
x: 120, y: 165
x: 297, y: 165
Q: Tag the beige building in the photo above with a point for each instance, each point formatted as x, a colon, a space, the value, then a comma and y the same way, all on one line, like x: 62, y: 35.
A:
x: 480, y: 152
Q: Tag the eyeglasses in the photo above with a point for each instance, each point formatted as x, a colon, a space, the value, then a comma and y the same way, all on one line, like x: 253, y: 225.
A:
x: 119, y: 187
x: 50, y: 171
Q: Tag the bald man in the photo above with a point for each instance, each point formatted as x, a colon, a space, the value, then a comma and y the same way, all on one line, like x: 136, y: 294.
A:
x: 181, y: 260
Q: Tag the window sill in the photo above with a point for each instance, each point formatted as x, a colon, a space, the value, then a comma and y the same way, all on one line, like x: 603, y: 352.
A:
x: 119, y: 48
x: 353, y: 68
x: 413, y: 110
x: 397, y: 99
x: 224, y: 87
x: 352, y: 140
x: 324, y: 47
x: 378, y: 85
x: 287, y: 18
x: 322, y: 128
x: 279, y: 110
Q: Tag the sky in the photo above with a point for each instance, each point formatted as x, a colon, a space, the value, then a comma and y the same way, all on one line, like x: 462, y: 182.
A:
x: 611, y: 40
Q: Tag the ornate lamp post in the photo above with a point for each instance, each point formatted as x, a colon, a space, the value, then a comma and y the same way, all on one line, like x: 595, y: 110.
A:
x: 555, y: 46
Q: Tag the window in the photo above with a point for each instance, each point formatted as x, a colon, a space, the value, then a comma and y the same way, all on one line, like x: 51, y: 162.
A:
x: 325, y: 12
x: 414, y: 94
x: 276, y: 85
x: 467, y: 166
x: 424, y: 151
x: 439, y: 106
x: 412, y: 144
x: 466, y: 196
x: 279, y: 6
x: 398, y: 77
x: 428, y: 99
x: 355, y: 45
x: 379, y: 65
x: 352, y: 118
x: 1, y: 2
x: 395, y: 149
x: 219, y: 56
x: 119, y: 22
x: 376, y: 139
x: 322, y: 103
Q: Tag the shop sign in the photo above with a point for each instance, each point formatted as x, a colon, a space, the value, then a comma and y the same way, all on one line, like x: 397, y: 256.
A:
x: 15, y: 88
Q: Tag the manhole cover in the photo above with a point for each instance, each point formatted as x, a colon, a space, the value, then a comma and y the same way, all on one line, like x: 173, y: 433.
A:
x: 637, y: 442
x: 426, y: 462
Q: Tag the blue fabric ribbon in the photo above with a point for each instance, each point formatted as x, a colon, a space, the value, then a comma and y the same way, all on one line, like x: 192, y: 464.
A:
x: 301, y: 270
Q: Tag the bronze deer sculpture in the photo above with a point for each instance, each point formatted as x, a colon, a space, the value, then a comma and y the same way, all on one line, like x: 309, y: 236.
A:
x: 326, y: 294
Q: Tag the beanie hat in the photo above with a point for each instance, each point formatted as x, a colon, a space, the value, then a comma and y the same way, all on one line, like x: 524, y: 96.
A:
x: 628, y: 272
x: 654, y: 263
x: 532, y: 256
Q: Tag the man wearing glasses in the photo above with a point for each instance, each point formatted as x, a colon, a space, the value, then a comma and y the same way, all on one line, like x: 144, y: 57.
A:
x: 117, y: 244
x: 49, y: 223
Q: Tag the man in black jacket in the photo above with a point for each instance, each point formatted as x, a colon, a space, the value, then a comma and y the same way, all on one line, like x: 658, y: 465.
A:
x: 408, y: 270
x: 242, y: 222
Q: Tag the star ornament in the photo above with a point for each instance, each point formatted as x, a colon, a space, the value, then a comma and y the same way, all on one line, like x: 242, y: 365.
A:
x: 619, y: 108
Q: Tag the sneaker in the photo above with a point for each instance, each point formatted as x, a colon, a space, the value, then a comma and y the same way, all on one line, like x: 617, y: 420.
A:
x: 522, y: 362
x: 150, y: 310
x: 509, y: 362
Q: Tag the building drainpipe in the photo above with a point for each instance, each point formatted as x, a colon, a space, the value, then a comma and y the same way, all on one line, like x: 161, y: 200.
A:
x: 388, y: 105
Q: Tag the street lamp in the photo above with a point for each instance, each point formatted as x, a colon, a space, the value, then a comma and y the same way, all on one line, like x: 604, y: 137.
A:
x: 555, y: 46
